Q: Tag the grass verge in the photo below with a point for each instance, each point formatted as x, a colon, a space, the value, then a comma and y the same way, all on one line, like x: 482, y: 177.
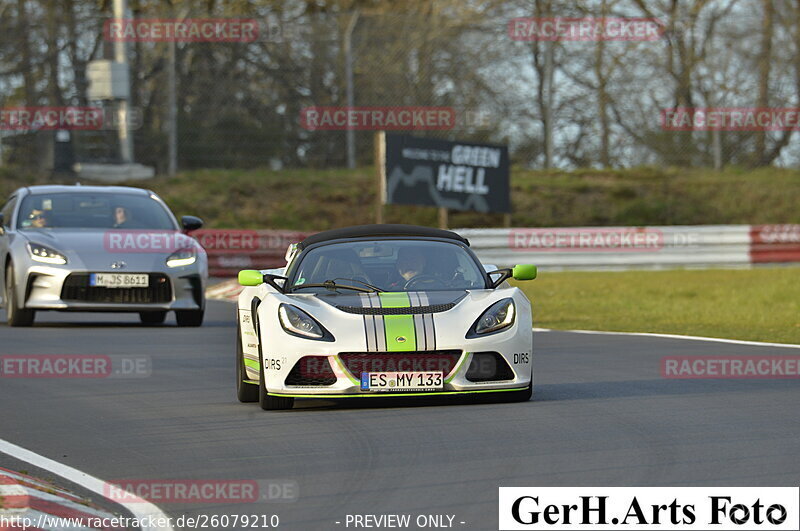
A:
x: 752, y: 304
x: 309, y: 199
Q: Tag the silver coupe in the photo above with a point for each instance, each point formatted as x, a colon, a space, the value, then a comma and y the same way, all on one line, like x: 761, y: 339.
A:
x: 99, y: 249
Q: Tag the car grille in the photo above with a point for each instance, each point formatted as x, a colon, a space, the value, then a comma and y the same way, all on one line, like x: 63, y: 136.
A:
x: 413, y: 310
x: 488, y: 367
x: 76, y: 288
x: 311, y: 371
x: 431, y: 360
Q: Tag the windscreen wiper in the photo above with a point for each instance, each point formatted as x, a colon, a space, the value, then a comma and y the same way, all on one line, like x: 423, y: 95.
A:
x: 370, y: 286
x: 333, y: 286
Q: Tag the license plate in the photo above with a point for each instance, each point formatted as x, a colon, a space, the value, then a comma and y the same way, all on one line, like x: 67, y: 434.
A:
x: 401, y: 381
x: 119, y: 280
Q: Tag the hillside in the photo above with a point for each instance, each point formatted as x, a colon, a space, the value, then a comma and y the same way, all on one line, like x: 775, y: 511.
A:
x: 318, y: 199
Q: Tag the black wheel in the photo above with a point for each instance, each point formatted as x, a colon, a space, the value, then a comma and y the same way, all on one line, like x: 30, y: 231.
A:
x: 189, y: 317
x: 152, y: 318
x: 245, y: 392
x: 271, y: 402
x: 16, y: 316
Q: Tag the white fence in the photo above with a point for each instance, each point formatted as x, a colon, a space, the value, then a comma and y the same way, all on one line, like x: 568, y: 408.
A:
x: 587, y: 248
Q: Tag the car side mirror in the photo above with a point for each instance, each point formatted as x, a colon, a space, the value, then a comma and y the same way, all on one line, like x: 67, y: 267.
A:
x: 253, y: 277
x: 2, y: 224
x: 518, y: 272
x: 524, y: 272
x: 191, y: 223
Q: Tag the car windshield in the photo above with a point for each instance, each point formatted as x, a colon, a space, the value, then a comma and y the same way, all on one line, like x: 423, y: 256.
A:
x: 80, y: 210
x: 390, y: 265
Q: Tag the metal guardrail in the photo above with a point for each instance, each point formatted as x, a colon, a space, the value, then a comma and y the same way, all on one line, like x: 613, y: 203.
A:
x: 774, y: 243
x: 609, y: 248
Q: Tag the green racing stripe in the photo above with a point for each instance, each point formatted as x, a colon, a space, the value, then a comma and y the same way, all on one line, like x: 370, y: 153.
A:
x: 400, y: 332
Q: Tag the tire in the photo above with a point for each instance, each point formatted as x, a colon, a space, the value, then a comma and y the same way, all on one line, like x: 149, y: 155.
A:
x: 245, y: 392
x: 271, y: 402
x: 152, y: 318
x: 189, y: 317
x: 16, y: 316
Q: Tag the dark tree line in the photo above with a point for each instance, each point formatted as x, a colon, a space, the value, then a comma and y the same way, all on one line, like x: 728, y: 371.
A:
x: 556, y: 103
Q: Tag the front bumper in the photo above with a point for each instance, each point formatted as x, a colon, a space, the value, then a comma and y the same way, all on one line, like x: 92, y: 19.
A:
x: 439, y: 334
x: 60, y: 288
x: 513, y: 348
x: 456, y: 382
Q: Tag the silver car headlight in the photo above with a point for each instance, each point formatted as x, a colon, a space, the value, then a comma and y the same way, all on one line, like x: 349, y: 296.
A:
x: 42, y: 253
x: 298, y: 323
x: 497, y: 317
x: 182, y: 257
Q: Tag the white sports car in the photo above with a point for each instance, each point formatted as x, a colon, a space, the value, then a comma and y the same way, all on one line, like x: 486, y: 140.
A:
x: 382, y: 310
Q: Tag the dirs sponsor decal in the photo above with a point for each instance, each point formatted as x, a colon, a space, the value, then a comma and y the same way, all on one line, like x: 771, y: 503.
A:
x: 650, y: 508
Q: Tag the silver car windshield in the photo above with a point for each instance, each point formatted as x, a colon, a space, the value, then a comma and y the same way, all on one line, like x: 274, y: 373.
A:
x: 390, y: 265
x: 73, y: 210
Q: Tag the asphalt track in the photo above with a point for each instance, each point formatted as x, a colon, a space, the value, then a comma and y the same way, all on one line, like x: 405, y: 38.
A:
x: 602, y: 415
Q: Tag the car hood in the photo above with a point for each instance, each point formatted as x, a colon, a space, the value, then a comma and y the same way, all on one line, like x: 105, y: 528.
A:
x: 98, y: 249
x: 378, y: 303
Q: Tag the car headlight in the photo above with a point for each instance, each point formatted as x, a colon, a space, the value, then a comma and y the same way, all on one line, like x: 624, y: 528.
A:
x: 298, y: 323
x: 182, y: 257
x: 498, y: 316
x: 42, y: 253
